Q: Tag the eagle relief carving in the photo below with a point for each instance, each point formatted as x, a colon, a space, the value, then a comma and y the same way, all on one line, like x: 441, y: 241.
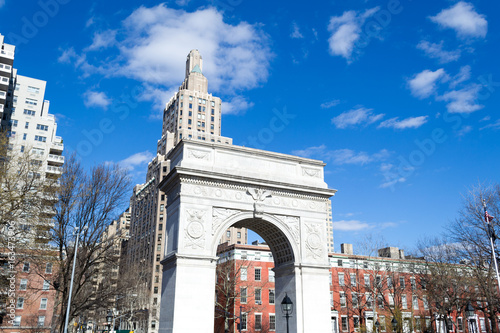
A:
x: 258, y: 195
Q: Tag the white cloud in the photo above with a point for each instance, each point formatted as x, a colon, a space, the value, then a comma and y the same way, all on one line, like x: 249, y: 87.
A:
x: 495, y: 125
x: 348, y: 156
x: 237, y: 105
x: 356, y: 117
x: 96, y: 99
x: 103, y: 40
x: 342, y: 156
x: 346, y: 30
x: 463, y: 75
x: 411, y: 122
x: 157, y: 41
x: 388, y: 225
x: 463, y: 18
x: 392, y: 182
x: 423, y: 84
x: 138, y: 159
x: 153, y: 43
x: 435, y: 51
x: 350, y: 225
x: 463, y: 100
x: 330, y: 104
x: 296, y: 31
x: 310, y: 152
x: 464, y: 130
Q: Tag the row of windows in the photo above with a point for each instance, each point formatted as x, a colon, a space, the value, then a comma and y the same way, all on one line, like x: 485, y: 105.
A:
x: 17, y: 321
x: 357, y: 299
x: 257, y: 295
x: 258, y: 321
x: 257, y: 274
x: 43, y: 303
x: 200, y: 100
x: 378, y: 281
x: 48, y: 267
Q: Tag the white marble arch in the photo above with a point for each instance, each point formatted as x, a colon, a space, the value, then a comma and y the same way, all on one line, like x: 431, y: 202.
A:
x: 283, y: 198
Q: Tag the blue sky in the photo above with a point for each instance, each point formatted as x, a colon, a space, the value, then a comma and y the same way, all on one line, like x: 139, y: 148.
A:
x: 399, y: 98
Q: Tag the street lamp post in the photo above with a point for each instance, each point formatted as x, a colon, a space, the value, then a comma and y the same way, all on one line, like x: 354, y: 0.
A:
x: 109, y: 319
x: 470, y: 313
x: 394, y: 324
x: 77, y: 230
x: 287, y: 309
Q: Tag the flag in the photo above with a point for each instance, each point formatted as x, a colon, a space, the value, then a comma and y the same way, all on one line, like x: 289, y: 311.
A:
x: 487, y: 217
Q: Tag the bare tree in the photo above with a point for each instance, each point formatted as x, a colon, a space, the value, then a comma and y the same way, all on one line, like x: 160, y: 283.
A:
x: 87, y: 201
x: 470, y: 234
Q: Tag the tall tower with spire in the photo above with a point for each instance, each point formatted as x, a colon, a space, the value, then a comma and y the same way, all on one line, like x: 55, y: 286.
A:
x: 192, y: 113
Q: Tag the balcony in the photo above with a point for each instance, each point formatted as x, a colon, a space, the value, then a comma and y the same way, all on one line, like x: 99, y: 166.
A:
x: 54, y: 169
x: 55, y: 146
x: 57, y: 160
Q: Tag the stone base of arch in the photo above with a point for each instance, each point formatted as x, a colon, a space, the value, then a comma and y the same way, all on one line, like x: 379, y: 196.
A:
x: 283, y: 198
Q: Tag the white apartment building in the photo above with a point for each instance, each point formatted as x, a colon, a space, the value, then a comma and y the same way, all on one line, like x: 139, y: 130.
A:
x: 30, y: 127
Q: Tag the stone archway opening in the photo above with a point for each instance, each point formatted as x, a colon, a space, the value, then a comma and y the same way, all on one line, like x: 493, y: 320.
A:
x: 248, y: 290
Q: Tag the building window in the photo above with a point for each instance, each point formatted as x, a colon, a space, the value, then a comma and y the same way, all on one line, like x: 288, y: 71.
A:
x: 369, y: 300
x: 415, y: 302
x: 271, y: 274
x: 402, y: 282
x: 355, y: 301
x: 48, y: 268
x: 345, y: 324
x: 382, y: 323
x: 26, y: 267
x: 42, y: 127
x: 257, y: 255
x: 243, y: 274
x: 391, y: 300
x: 404, y: 303
x: 342, y: 300
x: 17, y: 321
x: 341, y: 279
x: 258, y: 296
x: 244, y: 321
x: 33, y: 90
x: 46, y: 285
x: 238, y: 234
x: 356, y: 323
x: 29, y: 112
x: 20, y: 303
x: 41, y: 320
x: 31, y: 101
x: 40, y: 138
x: 389, y: 282
x: 153, y: 324
x: 243, y: 294
x: 353, y: 280
x: 339, y: 262
x: 27, y: 125
x: 243, y: 255
x: 426, y: 304
x: 258, y: 321
x: 228, y: 234
x: 155, y: 290
x: 24, y: 284
x: 257, y: 274
x: 271, y: 296
x: 367, y: 280
x: 272, y: 322
x: 413, y: 283
x: 43, y: 304
x: 25, y: 136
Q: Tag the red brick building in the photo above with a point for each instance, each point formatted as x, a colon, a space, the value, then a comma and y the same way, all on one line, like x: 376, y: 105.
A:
x: 30, y: 299
x: 364, y: 290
